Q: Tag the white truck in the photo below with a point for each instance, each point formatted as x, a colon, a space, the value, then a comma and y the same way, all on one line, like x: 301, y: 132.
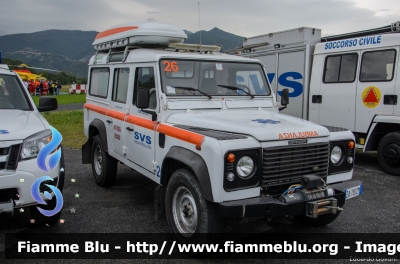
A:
x: 350, y: 81
x: 206, y: 128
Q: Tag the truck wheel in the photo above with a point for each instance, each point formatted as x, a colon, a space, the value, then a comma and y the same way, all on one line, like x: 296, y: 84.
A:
x: 322, y: 220
x: 42, y: 220
x: 104, y: 166
x: 190, y: 217
x: 389, y: 153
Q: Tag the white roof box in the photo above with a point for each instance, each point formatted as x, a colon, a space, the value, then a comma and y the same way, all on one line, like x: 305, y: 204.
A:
x: 132, y: 33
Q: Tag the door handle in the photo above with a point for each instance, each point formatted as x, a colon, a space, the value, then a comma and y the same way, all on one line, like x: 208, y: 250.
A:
x: 317, y: 99
x: 109, y: 121
x: 129, y: 129
x: 390, y: 99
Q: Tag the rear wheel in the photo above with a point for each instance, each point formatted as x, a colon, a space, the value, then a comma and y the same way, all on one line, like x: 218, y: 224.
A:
x: 104, y: 166
x: 389, y: 153
x: 190, y: 217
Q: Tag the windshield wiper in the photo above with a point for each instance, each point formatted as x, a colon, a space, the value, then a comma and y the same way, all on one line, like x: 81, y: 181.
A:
x: 235, y: 88
x: 191, y: 89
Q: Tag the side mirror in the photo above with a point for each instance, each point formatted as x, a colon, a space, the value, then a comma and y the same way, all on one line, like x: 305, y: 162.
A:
x: 284, y: 99
x: 142, y: 98
x: 47, y: 104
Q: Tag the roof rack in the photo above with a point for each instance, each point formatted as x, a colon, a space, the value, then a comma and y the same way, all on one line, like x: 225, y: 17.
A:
x: 392, y: 28
x: 195, y: 47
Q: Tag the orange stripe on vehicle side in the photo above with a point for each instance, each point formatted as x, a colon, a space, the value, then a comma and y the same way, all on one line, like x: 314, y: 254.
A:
x: 116, y: 114
x: 95, y: 108
x: 181, y: 134
x: 141, y: 122
x: 114, y: 31
x: 171, y: 131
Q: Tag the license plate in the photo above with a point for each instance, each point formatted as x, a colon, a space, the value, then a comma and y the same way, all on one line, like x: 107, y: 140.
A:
x: 353, y: 191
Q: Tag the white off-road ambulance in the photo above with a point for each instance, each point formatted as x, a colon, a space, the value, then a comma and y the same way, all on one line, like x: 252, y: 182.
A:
x: 350, y: 81
x: 206, y: 127
x: 23, y: 133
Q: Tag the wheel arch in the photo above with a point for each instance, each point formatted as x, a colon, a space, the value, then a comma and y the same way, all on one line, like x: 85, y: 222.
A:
x: 378, y: 131
x: 97, y: 127
x: 178, y: 157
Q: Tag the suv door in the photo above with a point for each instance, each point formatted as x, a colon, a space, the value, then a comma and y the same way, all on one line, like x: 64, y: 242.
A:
x: 141, y: 137
x: 118, y: 109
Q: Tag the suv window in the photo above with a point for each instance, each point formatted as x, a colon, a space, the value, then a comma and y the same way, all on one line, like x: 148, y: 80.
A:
x: 377, y: 66
x: 195, y: 77
x: 144, y: 78
x: 120, y: 87
x: 99, y: 82
x: 11, y: 94
x: 341, y: 68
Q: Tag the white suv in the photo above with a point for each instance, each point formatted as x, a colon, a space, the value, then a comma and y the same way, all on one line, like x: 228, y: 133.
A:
x: 23, y: 133
x: 206, y: 127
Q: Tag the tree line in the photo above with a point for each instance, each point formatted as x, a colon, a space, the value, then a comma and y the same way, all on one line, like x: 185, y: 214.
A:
x: 62, y: 77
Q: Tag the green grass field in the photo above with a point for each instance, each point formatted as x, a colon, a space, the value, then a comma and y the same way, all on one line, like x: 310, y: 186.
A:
x: 70, y: 125
x: 64, y: 98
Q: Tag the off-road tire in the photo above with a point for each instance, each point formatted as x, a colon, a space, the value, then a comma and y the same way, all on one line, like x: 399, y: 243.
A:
x: 389, y: 153
x: 208, y: 222
x: 322, y: 220
x: 104, y: 166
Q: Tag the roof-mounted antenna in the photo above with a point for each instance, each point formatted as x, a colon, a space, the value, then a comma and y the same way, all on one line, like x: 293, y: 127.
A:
x: 199, y: 24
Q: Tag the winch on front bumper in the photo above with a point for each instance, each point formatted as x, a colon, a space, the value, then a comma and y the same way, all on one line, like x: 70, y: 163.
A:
x: 311, y: 201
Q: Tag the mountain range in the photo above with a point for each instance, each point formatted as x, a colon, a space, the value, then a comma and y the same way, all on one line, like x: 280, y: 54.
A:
x: 70, y: 50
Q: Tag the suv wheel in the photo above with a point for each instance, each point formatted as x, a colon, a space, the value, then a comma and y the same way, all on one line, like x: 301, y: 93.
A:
x: 104, y: 166
x: 389, y: 153
x: 190, y: 217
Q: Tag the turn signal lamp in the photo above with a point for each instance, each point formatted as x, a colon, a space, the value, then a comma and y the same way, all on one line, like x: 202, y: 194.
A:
x: 350, y: 145
x: 230, y: 157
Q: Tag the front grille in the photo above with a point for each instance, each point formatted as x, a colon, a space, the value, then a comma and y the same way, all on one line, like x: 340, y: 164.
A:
x: 287, y: 164
x: 13, y: 157
x: 9, y: 157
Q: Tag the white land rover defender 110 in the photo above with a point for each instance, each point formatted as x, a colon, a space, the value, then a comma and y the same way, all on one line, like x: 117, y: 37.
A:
x: 23, y: 133
x: 206, y: 127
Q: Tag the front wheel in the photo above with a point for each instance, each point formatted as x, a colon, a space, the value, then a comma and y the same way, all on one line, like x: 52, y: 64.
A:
x: 389, y: 153
x: 190, y: 217
x: 104, y: 166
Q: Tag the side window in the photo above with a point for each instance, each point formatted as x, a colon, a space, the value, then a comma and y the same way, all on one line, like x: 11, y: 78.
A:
x: 341, y: 68
x: 99, y: 82
x: 377, y: 66
x: 120, y: 87
x: 144, y: 78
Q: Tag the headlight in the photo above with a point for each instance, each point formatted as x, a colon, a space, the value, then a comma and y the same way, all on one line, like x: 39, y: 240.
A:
x: 245, y: 167
x: 336, y: 155
x: 33, y: 144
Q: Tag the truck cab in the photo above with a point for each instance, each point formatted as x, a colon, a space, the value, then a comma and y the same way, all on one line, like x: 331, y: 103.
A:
x: 206, y: 127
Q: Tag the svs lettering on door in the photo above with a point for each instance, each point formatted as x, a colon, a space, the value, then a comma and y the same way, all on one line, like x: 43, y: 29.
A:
x: 143, y: 138
x: 284, y: 80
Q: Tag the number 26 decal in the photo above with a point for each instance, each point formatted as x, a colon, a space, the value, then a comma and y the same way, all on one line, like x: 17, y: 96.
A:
x: 171, y: 66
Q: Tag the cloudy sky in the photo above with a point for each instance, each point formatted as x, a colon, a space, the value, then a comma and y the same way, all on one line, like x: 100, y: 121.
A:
x: 245, y: 18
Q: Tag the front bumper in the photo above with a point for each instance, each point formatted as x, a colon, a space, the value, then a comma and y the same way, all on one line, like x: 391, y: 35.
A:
x: 269, y: 206
x: 15, y: 186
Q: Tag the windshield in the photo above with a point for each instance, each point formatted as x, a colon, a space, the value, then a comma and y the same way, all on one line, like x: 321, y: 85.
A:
x: 11, y: 94
x: 210, y: 78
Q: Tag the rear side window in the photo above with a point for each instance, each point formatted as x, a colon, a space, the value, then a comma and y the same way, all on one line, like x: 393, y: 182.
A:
x: 341, y: 68
x: 377, y: 66
x: 99, y: 82
x: 120, y: 87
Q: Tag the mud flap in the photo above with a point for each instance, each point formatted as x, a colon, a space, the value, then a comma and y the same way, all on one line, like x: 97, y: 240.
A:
x: 86, y: 151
